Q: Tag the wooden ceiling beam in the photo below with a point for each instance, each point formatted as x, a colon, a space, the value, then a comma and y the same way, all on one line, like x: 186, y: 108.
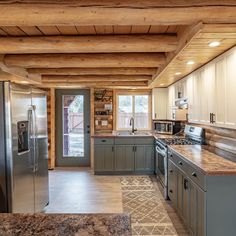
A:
x: 93, y: 71
x: 93, y: 78
x: 88, y: 44
x: 19, y: 73
x: 152, y: 12
x: 86, y: 60
x: 96, y: 84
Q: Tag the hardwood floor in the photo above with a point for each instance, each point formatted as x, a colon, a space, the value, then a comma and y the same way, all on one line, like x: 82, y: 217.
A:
x: 77, y: 190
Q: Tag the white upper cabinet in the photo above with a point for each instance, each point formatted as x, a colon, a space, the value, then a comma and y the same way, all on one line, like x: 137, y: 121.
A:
x: 159, y: 103
x: 225, y: 112
x: 211, y: 90
x: 171, y: 101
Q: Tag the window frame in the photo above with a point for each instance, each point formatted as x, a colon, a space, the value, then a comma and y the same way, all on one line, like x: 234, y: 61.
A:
x: 134, y: 93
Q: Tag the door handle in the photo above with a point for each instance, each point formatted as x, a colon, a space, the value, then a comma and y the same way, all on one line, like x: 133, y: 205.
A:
x: 211, y: 118
x: 185, y: 184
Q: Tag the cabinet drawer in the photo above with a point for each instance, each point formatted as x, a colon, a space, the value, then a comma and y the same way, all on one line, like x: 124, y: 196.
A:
x: 144, y: 141
x: 196, y: 176
x: 104, y: 141
x: 124, y: 141
x: 178, y: 161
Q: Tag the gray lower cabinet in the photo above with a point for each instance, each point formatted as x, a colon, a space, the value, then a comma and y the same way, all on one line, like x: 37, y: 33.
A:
x: 123, y: 155
x: 144, y: 158
x: 206, y: 203
x: 104, y: 158
x: 124, y: 158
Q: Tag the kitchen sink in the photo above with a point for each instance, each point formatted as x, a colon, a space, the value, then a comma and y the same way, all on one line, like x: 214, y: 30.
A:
x: 129, y: 133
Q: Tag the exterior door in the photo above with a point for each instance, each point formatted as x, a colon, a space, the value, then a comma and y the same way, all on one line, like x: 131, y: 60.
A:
x: 73, y: 127
x: 39, y: 103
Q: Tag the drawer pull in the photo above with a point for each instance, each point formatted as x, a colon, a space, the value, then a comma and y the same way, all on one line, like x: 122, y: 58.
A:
x: 171, y: 171
x: 171, y: 191
x: 180, y: 163
x: 104, y: 140
x: 171, y: 155
x: 194, y: 174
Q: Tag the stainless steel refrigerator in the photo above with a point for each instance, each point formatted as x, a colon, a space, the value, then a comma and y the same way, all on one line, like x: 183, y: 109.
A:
x: 23, y: 149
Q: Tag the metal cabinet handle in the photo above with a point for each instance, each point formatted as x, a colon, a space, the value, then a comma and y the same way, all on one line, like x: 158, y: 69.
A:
x: 213, y: 118
x: 104, y: 140
x: 171, y: 171
x: 194, y: 174
x: 185, y: 184
x: 112, y: 148
x: 171, y: 191
x: 180, y: 163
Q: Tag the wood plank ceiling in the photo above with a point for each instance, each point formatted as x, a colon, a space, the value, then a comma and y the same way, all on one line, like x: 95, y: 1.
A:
x: 143, y: 44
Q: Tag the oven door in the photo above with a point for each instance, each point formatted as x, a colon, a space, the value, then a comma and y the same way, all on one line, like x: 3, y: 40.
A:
x: 161, y: 164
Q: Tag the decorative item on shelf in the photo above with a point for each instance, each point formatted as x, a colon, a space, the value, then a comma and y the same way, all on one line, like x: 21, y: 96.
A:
x: 103, y: 110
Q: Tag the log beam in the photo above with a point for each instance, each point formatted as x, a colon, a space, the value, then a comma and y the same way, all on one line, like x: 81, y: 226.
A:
x: 93, y: 71
x: 97, y: 84
x: 152, y: 12
x: 93, y: 78
x: 86, y: 60
x: 88, y: 44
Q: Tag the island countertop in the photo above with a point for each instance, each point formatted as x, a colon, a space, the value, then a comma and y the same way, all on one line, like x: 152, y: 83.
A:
x: 65, y: 224
x: 206, y: 161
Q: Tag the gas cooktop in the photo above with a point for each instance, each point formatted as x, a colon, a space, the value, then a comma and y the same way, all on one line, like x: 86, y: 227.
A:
x: 178, y: 141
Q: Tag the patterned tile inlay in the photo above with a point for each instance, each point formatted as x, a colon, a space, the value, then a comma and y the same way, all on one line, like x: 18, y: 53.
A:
x: 144, y: 203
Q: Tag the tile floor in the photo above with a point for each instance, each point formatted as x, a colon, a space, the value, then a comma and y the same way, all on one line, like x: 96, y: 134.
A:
x: 77, y: 190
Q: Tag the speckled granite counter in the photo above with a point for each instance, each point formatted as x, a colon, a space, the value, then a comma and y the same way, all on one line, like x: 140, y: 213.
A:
x: 65, y: 224
x: 207, y: 162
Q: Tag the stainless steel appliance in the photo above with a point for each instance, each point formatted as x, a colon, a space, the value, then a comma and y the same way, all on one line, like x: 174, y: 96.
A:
x: 193, y: 136
x: 23, y: 149
x: 167, y: 126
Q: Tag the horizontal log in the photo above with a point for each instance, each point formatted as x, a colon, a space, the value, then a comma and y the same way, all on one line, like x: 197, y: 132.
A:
x: 93, y: 78
x: 93, y: 71
x: 85, y: 60
x: 51, y: 13
x: 88, y: 44
x: 98, y: 84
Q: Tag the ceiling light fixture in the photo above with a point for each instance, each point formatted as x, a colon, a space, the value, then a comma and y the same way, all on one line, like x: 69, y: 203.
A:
x: 190, y: 62
x: 24, y: 82
x: 162, y: 84
x: 178, y: 73
x: 214, y: 44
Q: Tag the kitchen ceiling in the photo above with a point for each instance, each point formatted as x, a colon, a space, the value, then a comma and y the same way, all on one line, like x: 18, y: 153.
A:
x: 140, y: 44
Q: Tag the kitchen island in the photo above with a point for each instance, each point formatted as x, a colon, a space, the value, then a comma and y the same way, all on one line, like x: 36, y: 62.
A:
x: 65, y: 224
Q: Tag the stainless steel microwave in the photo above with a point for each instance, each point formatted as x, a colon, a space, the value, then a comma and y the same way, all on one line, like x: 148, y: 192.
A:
x: 166, y: 126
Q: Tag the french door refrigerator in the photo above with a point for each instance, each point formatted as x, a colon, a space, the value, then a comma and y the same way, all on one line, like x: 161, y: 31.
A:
x: 23, y: 149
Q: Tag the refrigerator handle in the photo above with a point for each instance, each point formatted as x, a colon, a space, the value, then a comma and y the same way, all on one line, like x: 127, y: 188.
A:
x: 36, y: 157
x: 31, y: 136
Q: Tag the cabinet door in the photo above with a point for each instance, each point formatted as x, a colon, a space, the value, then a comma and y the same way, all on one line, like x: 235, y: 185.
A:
x: 172, y: 183
x: 189, y: 95
x: 196, y: 104
x: 103, y: 158
x: 171, y: 100
x: 179, y: 188
x: 196, y: 208
x: 124, y: 158
x: 159, y: 101
x: 144, y: 158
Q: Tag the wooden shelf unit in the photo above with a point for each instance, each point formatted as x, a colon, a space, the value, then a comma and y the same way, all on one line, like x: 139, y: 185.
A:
x: 103, y: 98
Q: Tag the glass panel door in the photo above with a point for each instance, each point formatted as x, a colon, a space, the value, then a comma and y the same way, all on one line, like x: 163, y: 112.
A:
x: 73, y: 125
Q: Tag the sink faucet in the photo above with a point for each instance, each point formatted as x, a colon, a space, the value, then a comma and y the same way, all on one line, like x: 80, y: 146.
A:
x: 131, y: 123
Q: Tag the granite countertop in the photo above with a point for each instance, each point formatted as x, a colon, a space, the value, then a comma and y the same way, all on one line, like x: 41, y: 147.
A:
x: 206, y: 161
x: 65, y: 224
x: 151, y: 134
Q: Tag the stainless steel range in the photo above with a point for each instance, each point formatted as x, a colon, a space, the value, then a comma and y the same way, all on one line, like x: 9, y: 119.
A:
x: 192, y: 136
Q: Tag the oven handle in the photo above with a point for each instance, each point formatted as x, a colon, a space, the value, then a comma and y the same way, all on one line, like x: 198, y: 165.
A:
x: 158, y: 150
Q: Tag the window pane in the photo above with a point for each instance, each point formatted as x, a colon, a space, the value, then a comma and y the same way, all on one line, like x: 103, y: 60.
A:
x: 124, y: 111
x: 73, y: 126
x: 141, y: 112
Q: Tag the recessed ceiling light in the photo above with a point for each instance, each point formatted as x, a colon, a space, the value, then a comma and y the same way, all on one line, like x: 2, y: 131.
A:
x: 162, y: 84
x: 190, y: 62
x: 24, y: 82
x: 178, y: 73
x: 214, y: 44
